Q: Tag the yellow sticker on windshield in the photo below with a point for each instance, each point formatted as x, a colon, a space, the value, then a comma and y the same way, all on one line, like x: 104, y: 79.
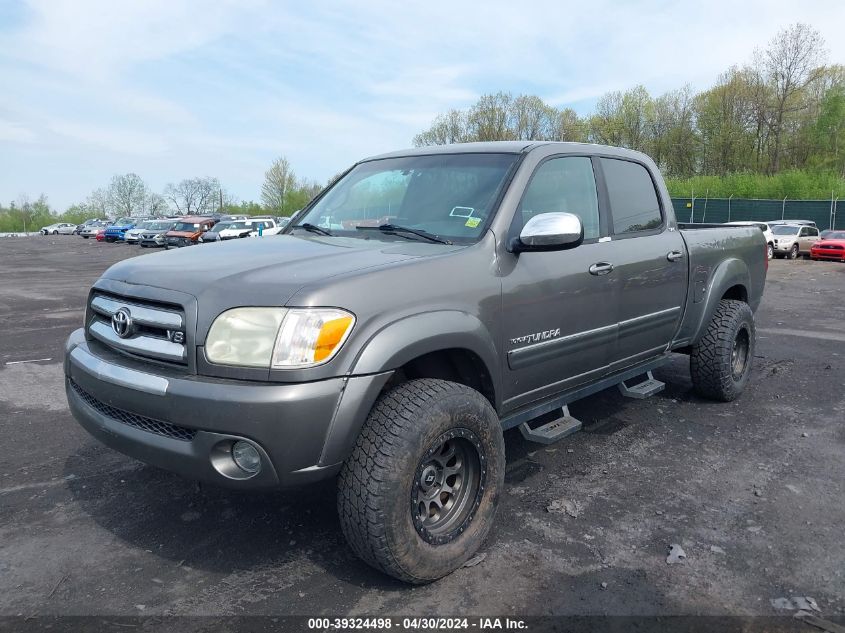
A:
x: 473, y: 222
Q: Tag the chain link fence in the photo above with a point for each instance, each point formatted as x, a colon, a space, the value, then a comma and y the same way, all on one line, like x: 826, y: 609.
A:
x: 717, y: 210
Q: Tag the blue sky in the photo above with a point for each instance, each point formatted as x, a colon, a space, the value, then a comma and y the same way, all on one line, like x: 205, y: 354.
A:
x: 171, y: 89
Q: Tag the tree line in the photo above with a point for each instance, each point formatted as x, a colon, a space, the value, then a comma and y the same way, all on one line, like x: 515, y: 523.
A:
x: 781, y: 113
x: 128, y: 195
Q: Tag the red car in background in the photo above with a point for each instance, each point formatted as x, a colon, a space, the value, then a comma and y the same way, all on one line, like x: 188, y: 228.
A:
x: 831, y: 246
x: 101, y: 234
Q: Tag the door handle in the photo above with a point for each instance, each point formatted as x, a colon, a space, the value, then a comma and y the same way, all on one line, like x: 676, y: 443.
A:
x: 601, y: 268
x: 674, y: 256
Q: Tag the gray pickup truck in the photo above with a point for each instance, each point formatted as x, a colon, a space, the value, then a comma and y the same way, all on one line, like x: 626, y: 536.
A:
x: 423, y: 304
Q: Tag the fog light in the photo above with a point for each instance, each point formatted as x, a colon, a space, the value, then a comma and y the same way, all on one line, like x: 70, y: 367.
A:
x: 246, y: 456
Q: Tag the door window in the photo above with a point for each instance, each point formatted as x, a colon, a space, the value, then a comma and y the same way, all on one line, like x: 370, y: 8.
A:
x: 633, y: 198
x: 804, y: 232
x: 565, y: 185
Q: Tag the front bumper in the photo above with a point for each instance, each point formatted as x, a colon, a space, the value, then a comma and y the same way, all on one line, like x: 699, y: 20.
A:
x: 827, y: 253
x: 186, y: 423
x: 178, y: 242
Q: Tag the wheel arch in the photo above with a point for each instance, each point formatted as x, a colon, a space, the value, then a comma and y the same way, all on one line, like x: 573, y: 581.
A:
x: 730, y: 280
x: 448, y: 345
x: 429, y: 342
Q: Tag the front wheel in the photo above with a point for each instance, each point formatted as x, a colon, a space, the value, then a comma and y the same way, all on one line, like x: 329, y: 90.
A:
x: 418, y: 494
x: 720, y: 362
x: 793, y: 252
x: 770, y: 251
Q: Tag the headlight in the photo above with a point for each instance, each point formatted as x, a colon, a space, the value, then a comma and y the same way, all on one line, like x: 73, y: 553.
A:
x: 311, y: 336
x: 277, y: 337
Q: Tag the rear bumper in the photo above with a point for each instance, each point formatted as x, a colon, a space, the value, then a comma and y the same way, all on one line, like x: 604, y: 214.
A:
x: 187, y: 423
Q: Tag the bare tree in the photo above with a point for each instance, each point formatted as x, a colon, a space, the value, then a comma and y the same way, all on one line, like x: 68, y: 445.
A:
x: 194, y: 196
x: 156, y: 204
x: 790, y: 63
x: 98, y: 203
x: 127, y: 194
x: 279, y: 181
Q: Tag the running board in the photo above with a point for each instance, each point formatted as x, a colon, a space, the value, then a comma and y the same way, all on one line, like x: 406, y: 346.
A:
x: 645, y: 389
x: 553, y: 431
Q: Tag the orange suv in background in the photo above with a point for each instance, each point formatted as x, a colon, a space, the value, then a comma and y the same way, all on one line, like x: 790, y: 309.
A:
x: 187, y: 231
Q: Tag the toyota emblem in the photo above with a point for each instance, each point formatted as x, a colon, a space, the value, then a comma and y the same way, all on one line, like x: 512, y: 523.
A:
x: 121, y: 323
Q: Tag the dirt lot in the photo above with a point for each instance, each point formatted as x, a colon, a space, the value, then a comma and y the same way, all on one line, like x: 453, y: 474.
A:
x: 752, y: 491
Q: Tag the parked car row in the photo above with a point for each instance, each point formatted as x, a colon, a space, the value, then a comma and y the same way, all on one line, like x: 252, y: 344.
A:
x: 800, y: 238
x: 173, y: 232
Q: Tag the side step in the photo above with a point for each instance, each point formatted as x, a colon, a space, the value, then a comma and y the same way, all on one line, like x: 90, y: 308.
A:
x: 553, y: 431
x: 644, y: 389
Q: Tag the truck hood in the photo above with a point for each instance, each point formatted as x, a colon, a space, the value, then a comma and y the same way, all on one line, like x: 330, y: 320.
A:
x: 263, y: 272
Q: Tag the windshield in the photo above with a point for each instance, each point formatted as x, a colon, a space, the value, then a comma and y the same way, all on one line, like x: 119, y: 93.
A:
x: 123, y: 221
x: 223, y: 226
x: 832, y: 235
x: 158, y: 226
x: 785, y: 229
x: 450, y: 195
x: 186, y: 227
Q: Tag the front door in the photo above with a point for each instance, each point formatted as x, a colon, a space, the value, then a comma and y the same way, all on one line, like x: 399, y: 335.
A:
x: 559, y: 318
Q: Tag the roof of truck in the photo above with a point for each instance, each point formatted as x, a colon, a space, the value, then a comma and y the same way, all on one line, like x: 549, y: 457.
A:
x: 507, y: 147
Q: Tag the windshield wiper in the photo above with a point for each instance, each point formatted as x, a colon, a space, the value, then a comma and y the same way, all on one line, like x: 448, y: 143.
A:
x: 313, y: 228
x: 393, y: 228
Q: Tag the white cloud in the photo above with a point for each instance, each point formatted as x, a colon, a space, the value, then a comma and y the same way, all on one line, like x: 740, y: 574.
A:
x: 173, y: 88
x: 13, y: 132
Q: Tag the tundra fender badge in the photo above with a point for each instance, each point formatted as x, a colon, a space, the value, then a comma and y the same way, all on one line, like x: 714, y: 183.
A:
x: 537, y: 337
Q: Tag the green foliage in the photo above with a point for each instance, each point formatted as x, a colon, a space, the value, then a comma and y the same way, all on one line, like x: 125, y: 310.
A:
x: 783, y: 112
x: 26, y: 215
x: 792, y: 184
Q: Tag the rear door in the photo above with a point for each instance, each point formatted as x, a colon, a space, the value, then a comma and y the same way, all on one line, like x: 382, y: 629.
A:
x: 809, y: 236
x: 649, y: 263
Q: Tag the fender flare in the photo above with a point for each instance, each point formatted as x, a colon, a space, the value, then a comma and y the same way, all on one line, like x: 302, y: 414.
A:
x: 731, y: 272
x: 419, y: 334
x: 388, y: 349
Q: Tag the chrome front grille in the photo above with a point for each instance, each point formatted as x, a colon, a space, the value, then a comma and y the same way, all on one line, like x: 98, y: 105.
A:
x: 151, y: 425
x: 140, y: 328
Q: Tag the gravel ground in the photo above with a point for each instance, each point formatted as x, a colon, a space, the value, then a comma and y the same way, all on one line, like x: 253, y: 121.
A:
x: 752, y: 491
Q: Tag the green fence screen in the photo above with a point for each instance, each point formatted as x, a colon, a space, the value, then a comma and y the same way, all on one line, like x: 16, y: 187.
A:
x: 822, y: 212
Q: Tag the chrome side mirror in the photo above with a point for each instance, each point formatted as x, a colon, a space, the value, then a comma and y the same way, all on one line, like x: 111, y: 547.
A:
x: 550, y: 232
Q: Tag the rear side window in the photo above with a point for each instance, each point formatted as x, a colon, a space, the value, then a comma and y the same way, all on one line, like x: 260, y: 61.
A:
x: 564, y: 185
x: 633, y: 199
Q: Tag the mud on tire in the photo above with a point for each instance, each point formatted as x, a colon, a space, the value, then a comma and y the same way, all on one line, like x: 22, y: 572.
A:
x: 720, y: 362
x: 418, y: 494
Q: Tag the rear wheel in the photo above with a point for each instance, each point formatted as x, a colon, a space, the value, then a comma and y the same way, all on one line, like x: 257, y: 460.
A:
x: 418, y: 494
x: 720, y: 362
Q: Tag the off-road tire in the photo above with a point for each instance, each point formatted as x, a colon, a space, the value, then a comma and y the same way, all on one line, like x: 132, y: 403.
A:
x: 378, y: 481
x: 714, y: 372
